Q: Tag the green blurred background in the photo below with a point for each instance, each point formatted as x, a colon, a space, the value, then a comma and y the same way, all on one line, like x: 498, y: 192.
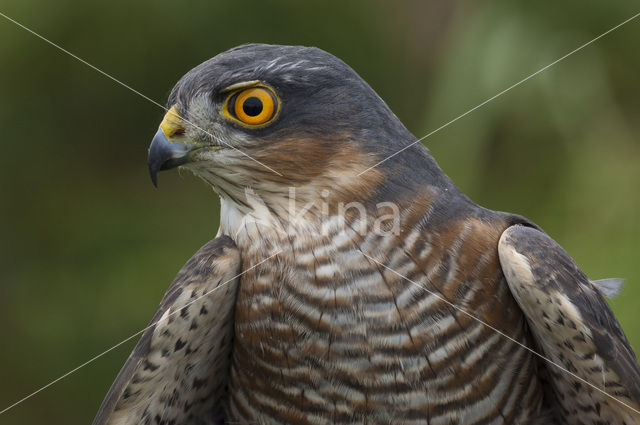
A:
x: 88, y: 245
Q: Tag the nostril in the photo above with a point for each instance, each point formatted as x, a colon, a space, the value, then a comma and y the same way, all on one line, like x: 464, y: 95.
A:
x: 177, y: 132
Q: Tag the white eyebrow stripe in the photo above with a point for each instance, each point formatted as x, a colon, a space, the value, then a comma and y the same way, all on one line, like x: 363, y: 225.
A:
x: 240, y: 85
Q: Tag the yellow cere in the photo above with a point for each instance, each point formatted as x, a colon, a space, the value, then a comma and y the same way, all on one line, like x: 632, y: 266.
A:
x: 172, y: 123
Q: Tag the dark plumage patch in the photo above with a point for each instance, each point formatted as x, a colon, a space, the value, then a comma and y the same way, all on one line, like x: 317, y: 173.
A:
x: 184, y: 312
x: 179, y: 345
x: 198, y: 383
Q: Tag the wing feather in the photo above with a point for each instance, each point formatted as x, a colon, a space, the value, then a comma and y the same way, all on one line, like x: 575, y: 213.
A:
x: 177, y: 372
x: 574, y: 327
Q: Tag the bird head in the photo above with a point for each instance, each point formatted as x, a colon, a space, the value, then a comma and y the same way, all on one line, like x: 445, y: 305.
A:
x: 270, y: 117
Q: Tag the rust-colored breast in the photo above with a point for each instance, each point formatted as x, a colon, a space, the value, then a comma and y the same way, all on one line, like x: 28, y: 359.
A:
x: 326, y: 334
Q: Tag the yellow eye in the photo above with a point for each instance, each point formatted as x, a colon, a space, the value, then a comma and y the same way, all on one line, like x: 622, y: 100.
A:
x: 253, y: 106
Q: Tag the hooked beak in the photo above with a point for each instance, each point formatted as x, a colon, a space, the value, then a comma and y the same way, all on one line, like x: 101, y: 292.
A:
x: 165, y: 152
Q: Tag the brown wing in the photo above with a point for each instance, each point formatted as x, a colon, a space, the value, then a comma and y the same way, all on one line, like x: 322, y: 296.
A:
x: 178, y: 370
x: 574, y: 328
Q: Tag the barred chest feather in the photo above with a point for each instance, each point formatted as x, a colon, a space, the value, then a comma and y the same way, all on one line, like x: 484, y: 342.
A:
x: 325, y: 334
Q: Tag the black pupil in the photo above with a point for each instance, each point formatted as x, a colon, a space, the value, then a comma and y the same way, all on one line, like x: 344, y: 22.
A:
x: 252, y: 106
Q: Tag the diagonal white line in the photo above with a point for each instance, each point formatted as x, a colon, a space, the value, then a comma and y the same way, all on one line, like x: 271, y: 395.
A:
x: 91, y: 360
x: 503, y: 91
x: 441, y: 298
x: 109, y: 76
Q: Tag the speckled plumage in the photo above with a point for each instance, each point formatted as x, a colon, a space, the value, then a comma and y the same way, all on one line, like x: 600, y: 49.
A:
x: 580, y: 333
x: 177, y: 373
x: 347, y: 323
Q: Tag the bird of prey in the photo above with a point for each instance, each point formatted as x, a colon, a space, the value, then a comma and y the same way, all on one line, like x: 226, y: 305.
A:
x: 345, y: 290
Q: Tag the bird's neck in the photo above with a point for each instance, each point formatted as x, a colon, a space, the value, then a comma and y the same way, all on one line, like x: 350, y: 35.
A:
x: 309, y: 214
x: 409, y: 184
x: 304, y: 212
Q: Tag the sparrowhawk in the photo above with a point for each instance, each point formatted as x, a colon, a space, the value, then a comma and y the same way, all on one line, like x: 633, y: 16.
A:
x: 347, y: 288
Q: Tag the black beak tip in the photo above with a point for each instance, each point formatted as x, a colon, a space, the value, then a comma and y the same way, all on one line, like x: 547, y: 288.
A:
x: 154, y: 176
x: 155, y: 161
